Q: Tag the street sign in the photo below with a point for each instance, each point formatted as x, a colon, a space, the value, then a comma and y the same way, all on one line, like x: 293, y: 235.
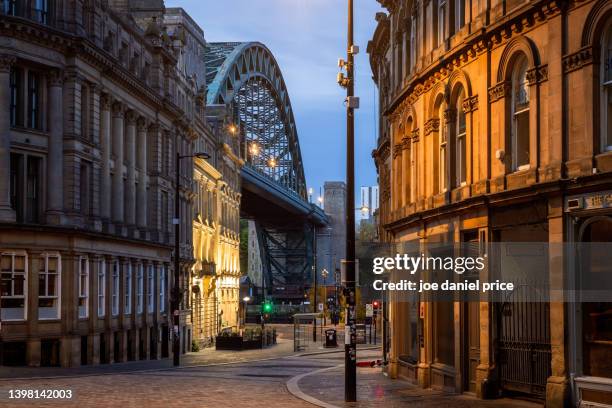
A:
x: 369, y: 310
x: 320, y: 307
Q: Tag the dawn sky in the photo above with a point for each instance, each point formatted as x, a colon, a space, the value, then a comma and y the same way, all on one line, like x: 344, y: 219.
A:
x: 307, y: 37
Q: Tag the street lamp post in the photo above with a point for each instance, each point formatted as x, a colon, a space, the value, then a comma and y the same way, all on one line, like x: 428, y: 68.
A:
x: 350, y: 348
x: 246, y: 300
x: 324, y: 274
x: 176, y: 291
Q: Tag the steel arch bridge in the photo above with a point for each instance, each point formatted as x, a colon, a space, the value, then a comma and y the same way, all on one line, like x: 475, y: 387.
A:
x: 246, y: 77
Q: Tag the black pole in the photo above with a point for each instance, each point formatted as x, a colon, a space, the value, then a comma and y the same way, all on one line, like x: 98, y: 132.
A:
x: 176, y: 345
x: 315, y: 306
x: 350, y: 348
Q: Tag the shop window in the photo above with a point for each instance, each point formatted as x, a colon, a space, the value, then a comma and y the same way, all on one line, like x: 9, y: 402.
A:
x: 140, y: 289
x: 115, y: 289
x: 520, y: 115
x: 150, y: 288
x: 597, y: 316
x: 49, y: 279
x: 13, y: 271
x: 128, y: 289
x: 102, y: 289
x: 83, y: 287
x: 606, y: 90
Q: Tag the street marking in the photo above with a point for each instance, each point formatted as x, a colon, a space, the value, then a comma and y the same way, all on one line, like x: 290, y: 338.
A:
x: 294, y: 388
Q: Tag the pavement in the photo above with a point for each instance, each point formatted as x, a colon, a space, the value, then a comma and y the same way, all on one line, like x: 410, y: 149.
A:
x: 273, y: 377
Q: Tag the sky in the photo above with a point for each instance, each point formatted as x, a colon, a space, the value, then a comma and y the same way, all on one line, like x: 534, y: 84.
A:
x: 307, y: 37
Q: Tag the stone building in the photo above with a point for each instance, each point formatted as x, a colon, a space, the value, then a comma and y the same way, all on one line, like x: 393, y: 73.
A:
x: 95, y: 102
x: 496, y: 126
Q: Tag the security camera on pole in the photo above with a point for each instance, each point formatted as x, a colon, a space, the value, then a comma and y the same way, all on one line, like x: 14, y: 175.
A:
x: 352, y: 103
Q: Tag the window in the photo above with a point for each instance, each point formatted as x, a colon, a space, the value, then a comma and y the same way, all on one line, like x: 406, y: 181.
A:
x: 115, y: 289
x: 41, y: 11
x: 13, y: 271
x: 10, y: 7
x: 102, y: 289
x: 520, y: 116
x: 459, y: 14
x: 16, y: 104
x: 150, y: 288
x: 164, y: 211
x: 85, y: 187
x: 460, y: 153
x: 34, y: 100
x: 128, y: 290
x: 441, y: 175
x: 25, y: 187
x: 606, y: 91
x: 162, y: 289
x: 442, y: 22
x: 83, y: 287
x: 139, y: 289
x: 49, y: 286
x: 413, y: 41
x: 85, y: 133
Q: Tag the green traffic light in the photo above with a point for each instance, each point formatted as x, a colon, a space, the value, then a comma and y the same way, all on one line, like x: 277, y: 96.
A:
x: 267, y: 307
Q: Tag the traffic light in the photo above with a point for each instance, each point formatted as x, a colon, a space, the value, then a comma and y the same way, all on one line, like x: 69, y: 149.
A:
x: 376, y: 304
x: 266, y: 308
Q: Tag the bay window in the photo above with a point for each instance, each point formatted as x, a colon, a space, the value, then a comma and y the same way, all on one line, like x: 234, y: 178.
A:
x: 49, y: 279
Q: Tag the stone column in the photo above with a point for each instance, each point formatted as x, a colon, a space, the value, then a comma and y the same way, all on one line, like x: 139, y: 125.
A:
x: 55, y: 154
x: 142, y: 180
x: 130, y: 155
x: 105, y: 147
x: 7, y: 214
x: 117, y: 190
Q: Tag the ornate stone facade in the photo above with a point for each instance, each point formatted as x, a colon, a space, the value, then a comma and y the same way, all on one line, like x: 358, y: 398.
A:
x: 516, y: 106
x: 98, y: 97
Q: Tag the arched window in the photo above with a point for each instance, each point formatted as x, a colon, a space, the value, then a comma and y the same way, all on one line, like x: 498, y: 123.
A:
x: 442, y: 187
x: 460, y: 142
x: 606, y: 89
x: 519, y: 115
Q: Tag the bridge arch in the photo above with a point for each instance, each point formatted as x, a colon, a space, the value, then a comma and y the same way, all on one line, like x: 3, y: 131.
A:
x: 247, y: 76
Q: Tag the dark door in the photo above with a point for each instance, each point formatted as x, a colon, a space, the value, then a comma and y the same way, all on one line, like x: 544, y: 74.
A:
x: 471, y: 318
